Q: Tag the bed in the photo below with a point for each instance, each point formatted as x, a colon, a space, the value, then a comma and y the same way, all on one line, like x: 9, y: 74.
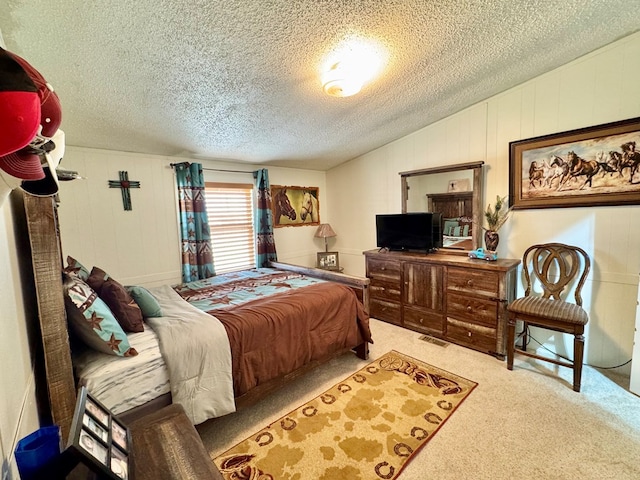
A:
x: 274, y: 321
x: 55, y: 380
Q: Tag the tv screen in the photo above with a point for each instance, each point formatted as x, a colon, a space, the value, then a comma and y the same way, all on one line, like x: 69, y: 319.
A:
x: 409, y: 231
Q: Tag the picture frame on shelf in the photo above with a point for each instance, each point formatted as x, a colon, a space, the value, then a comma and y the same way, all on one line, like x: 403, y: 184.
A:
x: 592, y: 166
x: 328, y: 261
x: 99, y: 440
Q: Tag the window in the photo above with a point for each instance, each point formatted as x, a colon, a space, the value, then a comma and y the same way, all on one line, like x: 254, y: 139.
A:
x: 230, y: 211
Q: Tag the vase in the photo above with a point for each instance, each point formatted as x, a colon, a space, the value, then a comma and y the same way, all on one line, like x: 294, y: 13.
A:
x: 491, y: 240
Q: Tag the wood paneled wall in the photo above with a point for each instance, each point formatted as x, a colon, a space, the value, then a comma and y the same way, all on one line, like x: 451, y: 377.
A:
x: 598, y: 88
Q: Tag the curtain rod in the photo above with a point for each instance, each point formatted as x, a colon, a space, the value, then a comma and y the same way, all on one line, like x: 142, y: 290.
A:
x: 218, y: 169
x: 230, y: 171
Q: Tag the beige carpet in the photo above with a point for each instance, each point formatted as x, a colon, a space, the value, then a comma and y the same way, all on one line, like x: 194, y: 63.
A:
x: 369, y: 425
x: 527, y: 423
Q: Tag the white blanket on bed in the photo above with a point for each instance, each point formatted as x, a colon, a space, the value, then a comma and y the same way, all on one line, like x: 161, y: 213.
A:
x: 196, y: 350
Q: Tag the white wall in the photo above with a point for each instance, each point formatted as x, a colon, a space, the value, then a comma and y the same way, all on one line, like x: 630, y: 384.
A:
x: 598, y: 88
x: 141, y: 246
x: 18, y: 413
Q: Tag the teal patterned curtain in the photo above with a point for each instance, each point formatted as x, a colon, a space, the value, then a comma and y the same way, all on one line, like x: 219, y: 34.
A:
x: 197, y: 257
x: 263, y: 221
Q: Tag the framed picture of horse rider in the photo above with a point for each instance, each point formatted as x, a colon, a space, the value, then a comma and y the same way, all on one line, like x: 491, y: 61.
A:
x: 590, y: 166
x: 295, y: 206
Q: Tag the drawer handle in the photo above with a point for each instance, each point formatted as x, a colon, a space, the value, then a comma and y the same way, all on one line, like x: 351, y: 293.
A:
x: 469, y: 282
x: 469, y: 309
x: 421, y: 321
x: 382, y: 268
x: 469, y: 333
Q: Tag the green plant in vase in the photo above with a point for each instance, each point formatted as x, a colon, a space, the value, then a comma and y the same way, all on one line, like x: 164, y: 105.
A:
x: 495, y: 218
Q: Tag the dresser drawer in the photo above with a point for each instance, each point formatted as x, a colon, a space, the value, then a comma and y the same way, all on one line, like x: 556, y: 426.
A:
x: 476, y: 337
x: 482, y: 282
x: 385, y: 289
x: 388, y: 311
x: 384, y: 269
x: 472, y: 309
x: 423, y: 321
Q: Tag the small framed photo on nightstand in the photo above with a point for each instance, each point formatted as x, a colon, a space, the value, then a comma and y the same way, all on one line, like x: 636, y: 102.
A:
x: 328, y: 261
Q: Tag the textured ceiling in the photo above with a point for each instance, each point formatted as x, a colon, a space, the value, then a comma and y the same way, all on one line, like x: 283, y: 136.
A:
x: 239, y: 80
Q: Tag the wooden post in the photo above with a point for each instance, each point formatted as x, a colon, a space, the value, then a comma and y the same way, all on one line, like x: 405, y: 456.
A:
x: 46, y: 255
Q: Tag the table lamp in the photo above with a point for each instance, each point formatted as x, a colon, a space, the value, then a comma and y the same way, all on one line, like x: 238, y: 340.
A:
x: 325, y: 231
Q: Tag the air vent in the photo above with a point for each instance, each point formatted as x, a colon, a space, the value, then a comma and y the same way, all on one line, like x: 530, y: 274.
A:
x: 435, y: 341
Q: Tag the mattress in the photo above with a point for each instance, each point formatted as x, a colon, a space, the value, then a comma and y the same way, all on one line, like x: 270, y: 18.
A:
x: 123, y: 383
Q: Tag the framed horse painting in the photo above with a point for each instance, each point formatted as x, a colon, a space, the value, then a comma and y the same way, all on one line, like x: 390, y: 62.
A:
x: 590, y: 166
x: 295, y: 206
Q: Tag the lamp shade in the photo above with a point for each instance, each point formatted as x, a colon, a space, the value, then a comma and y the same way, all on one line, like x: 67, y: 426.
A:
x: 324, y: 230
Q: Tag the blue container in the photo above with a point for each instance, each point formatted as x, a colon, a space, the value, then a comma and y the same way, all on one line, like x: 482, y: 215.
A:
x: 36, y: 450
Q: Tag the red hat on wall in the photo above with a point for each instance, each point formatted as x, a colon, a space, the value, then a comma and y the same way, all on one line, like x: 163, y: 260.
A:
x: 51, y: 111
x: 24, y: 164
x: 20, y: 110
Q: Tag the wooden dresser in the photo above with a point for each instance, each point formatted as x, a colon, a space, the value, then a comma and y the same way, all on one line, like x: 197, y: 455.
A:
x: 453, y: 297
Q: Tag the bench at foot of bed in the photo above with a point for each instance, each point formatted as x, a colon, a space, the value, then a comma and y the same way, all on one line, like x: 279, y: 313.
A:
x: 166, y: 445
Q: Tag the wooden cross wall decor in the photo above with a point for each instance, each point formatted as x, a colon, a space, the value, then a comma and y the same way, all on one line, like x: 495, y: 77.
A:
x: 125, y: 184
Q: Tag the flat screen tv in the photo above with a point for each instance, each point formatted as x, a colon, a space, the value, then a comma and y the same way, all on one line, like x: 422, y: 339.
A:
x: 409, y: 231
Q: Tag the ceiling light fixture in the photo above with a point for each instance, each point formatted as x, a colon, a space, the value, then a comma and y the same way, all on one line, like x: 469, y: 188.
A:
x: 353, y: 63
x: 340, y: 82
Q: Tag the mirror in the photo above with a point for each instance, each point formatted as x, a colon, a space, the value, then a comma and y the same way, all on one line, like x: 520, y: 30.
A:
x: 456, y: 192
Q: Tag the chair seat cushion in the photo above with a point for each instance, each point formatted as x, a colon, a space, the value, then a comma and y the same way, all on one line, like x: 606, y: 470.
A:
x: 553, y: 309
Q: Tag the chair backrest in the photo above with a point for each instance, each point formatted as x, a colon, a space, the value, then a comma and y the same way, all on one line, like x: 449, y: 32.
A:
x: 556, y: 265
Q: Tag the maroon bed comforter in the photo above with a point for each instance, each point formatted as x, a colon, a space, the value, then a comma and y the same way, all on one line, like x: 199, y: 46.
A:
x: 275, y: 335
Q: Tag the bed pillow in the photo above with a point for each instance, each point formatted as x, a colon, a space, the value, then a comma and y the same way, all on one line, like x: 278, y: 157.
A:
x: 457, y: 227
x: 74, y: 267
x: 92, y: 321
x: 449, y: 225
x: 145, y: 300
x: 466, y: 223
x: 123, y: 306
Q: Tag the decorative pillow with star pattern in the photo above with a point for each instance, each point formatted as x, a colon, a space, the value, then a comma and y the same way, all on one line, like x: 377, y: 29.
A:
x: 91, y: 319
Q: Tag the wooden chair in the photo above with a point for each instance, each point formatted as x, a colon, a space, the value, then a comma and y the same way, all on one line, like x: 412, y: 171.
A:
x: 554, y: 266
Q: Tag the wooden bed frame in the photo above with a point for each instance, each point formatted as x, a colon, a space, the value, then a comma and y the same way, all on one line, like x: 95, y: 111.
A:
x: 55, y: 383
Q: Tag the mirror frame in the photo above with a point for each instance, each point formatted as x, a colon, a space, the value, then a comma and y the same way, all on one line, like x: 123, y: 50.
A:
x: 476, y: 238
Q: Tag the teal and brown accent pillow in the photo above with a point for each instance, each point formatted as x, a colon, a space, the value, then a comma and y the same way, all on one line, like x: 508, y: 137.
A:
x: 123, y: 306
x: 92, y: 321
x: 457, y: 227
x: 449, y: 226
x: 75, y: 268
x: 145, y: 300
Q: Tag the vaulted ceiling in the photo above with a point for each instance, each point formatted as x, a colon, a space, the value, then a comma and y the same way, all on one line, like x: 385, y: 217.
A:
x: 240, y: 80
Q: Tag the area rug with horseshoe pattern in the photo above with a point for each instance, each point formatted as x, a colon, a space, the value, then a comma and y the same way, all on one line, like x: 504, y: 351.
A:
x: 368, y: 426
